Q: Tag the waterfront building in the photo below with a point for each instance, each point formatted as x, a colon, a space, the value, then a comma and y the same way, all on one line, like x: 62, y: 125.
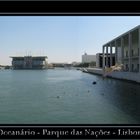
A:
x: 29, y: 62
x: 50, y: 66
x: 126, y: 49
x: 61, y: 65
x: 99, y: 59
x: 58, y: 64
x: 88, y: 58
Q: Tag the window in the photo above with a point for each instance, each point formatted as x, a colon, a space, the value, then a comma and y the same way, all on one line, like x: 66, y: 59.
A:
x: 132, y: 67
x: 132, y: 52
x: 126, y: 67
x: 126, y: 53
x: 137, y: 67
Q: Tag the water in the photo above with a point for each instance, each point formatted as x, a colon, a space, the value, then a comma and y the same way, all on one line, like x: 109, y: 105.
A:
x: 59, y: 96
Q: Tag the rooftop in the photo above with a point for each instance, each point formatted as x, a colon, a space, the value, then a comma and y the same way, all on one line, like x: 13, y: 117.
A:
x: 28, y: 56
x: 122, y: 35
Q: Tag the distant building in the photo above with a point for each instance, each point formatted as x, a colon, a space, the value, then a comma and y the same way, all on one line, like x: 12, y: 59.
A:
x: 61, y: 65
x: 58, y: 64
x: 29, y: 62
x: 75, y: 63
x: 88, y: 58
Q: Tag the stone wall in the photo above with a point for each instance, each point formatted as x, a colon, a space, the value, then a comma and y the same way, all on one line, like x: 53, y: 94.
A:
x: 130, y: 76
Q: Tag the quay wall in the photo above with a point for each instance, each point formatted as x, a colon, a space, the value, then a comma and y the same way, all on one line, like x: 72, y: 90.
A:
x: 129, y: 76
x: 95, y: 71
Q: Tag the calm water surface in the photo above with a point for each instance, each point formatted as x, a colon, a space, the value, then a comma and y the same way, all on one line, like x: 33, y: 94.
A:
x: 66, y: 96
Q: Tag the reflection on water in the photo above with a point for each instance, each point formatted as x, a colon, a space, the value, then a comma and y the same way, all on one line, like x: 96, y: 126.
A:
x: 66, y: 96
x: 125, y: 96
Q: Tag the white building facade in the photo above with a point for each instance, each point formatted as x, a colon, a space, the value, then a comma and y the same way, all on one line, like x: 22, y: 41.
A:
x: 88, y: 58
x: 126, y: 48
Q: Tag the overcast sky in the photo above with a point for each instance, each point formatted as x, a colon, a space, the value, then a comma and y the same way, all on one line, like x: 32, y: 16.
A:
x: 61, y: 38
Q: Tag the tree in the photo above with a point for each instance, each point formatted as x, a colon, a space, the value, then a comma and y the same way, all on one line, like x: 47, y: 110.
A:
x: 92, y: 64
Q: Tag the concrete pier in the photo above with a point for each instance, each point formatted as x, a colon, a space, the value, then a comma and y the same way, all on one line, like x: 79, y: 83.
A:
x: 95, y: 71
x: 129, y: 76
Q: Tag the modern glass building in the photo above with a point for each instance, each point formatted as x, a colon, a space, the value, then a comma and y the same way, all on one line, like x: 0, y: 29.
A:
x: 29, y: 62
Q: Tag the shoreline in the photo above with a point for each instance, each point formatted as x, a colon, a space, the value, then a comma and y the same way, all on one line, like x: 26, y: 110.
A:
x: 125, y: 76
